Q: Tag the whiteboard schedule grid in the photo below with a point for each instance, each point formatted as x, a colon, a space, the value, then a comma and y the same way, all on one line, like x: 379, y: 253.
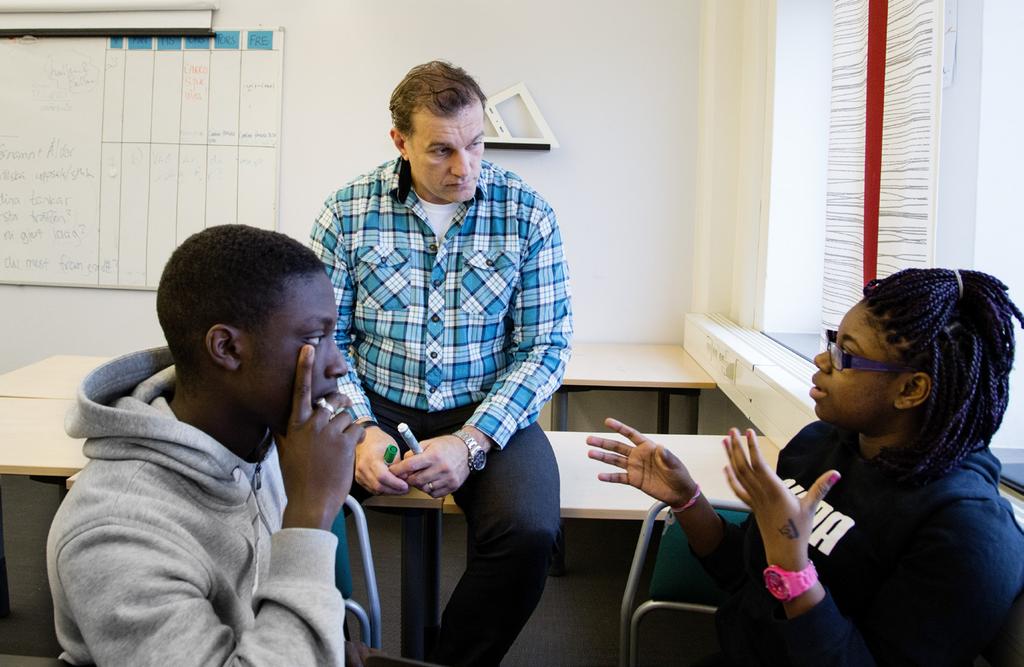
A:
x: 115, y: 150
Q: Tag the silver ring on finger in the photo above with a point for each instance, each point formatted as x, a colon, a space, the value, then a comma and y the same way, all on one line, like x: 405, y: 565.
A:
x: 430, y: 485
x: 331, y: 411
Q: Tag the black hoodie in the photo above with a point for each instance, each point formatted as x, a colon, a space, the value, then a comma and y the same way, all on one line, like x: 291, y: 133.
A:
x: 913, y: 575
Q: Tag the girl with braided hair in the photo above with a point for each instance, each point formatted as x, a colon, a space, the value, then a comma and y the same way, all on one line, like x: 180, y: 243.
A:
x: 914, y: 558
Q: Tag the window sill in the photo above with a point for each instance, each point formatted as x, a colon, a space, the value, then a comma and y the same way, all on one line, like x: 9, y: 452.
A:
x: 768, y: 382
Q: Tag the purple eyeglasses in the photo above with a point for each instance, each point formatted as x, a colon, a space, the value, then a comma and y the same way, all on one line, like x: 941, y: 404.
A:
x: 842, y: 360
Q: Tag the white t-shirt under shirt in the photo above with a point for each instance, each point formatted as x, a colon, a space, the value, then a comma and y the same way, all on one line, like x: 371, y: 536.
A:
x: 439, y: 216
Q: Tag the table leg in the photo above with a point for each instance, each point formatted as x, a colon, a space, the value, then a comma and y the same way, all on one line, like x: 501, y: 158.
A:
x: 560, y: 410
x: 5, y: 600
x: 692, y: 411
x: 691, y: 418
x: 432, y: 584
x: 412, y: 584
x: 663, y: 410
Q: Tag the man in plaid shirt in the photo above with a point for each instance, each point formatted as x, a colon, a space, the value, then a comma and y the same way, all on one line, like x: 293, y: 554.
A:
x: 453, y: 298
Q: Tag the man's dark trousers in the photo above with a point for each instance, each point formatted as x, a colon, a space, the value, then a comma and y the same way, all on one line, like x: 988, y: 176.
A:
x: 512, y: 514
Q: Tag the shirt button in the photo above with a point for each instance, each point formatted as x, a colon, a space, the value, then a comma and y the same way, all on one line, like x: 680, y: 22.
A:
x: 437, y: 283
x: 433, y: 355
x: 433, y: 247
x: 490, y: 262
x: 435, y: 318
x: 433, y: 389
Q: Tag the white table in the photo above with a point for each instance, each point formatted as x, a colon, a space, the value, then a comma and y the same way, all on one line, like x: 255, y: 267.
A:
x: 583, y: 496
x: 54, y: 377
x: 33, y: 441
x: 667, y: 369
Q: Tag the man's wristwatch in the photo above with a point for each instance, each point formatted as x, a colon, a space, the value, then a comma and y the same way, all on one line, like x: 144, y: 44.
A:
x: 477, y: 455
x: 786, y: 585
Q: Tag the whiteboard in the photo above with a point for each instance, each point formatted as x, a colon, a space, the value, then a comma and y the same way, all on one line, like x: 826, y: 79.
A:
x: 115, y: 150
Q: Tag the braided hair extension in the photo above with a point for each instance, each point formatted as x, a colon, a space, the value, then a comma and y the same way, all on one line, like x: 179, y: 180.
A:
x: 958, y: 330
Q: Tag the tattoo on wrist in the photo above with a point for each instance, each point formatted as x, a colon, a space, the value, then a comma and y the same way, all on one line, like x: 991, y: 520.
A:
x: 789, y: 530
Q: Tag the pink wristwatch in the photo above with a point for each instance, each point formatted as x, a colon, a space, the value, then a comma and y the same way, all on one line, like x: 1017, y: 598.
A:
x: 786, y: 585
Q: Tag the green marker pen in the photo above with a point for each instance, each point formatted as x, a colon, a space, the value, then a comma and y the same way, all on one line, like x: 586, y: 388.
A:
x: 390, y: 453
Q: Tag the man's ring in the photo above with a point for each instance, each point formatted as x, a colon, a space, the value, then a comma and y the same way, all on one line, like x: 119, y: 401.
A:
x: 430, y: 485
x: 322, y: 403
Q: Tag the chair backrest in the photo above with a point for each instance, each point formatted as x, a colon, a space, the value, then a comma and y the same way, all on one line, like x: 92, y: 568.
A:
x: 1008, y: 646
x: 369, y: 622
x: 678, y: 576
x: 342, y: 566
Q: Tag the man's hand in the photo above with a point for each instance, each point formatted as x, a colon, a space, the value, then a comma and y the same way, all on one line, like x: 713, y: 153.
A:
x: 316, y: 453
x: 441, y: 469
x: 372, y: 473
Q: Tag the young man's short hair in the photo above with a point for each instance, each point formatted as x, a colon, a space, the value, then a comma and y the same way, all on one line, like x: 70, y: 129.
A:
x: 228, y: 274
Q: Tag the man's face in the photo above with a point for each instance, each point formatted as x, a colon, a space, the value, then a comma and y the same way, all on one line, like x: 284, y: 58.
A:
x: 444, y: 153
x: 307, y: 315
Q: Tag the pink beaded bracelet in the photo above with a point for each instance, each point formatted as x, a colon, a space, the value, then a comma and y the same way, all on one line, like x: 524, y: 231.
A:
x: 689, y: 503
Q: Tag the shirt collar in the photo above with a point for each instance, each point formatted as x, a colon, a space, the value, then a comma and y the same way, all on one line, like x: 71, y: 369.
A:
x: 401, y: 180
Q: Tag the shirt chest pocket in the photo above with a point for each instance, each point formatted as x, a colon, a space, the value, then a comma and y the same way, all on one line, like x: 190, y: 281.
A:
x: 488, y: 278
x: 382, y: 277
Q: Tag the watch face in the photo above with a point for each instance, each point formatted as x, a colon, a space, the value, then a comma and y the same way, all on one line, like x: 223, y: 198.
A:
x: 776, y: 584
x: 477, y: 456
x: 478, y: 460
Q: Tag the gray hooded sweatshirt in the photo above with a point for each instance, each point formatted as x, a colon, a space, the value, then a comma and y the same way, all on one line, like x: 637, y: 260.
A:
x: 169, y: 548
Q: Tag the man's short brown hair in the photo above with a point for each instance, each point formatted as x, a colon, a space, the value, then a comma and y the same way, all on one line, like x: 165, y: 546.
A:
x: 439, y: 87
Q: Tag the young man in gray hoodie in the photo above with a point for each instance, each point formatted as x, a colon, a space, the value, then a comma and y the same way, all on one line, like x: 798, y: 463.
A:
x: 199, y: 533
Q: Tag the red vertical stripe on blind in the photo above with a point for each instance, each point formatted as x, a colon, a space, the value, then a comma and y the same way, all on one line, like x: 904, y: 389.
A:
x: 878, y: 14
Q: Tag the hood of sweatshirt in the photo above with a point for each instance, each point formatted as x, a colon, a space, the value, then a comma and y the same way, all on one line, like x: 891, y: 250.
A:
x: 123, y: 411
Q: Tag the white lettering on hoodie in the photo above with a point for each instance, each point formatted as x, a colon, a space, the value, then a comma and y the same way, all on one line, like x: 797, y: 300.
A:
x: 830, y: 525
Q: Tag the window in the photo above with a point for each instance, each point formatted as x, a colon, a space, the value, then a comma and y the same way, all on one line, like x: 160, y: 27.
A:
x: 791, y: 307
x: 760, y: 211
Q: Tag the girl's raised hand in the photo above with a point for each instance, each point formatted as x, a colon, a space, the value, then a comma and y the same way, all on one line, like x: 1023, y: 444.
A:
x: 784, y: 520
x: 648, y: 466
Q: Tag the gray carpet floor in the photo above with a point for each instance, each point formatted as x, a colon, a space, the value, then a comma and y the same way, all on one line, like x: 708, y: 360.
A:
x: 576, y: 623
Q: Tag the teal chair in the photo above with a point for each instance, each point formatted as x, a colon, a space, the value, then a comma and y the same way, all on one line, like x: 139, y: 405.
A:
x: 678, y: 582
x: 369, y: 622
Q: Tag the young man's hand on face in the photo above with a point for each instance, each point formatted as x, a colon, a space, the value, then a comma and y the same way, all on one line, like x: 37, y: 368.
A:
x: 317, y: 453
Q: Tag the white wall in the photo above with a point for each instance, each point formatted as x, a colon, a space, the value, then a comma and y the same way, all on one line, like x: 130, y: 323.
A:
x: 617, y: 83
x: 999, y: 236
x: 729, y: 97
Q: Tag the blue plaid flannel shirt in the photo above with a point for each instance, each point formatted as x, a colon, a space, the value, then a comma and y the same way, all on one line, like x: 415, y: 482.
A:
x: 484, y: 316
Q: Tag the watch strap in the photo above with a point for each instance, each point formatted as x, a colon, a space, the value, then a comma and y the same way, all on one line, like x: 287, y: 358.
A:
x: 475, y: 454
x: 785, y: 585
